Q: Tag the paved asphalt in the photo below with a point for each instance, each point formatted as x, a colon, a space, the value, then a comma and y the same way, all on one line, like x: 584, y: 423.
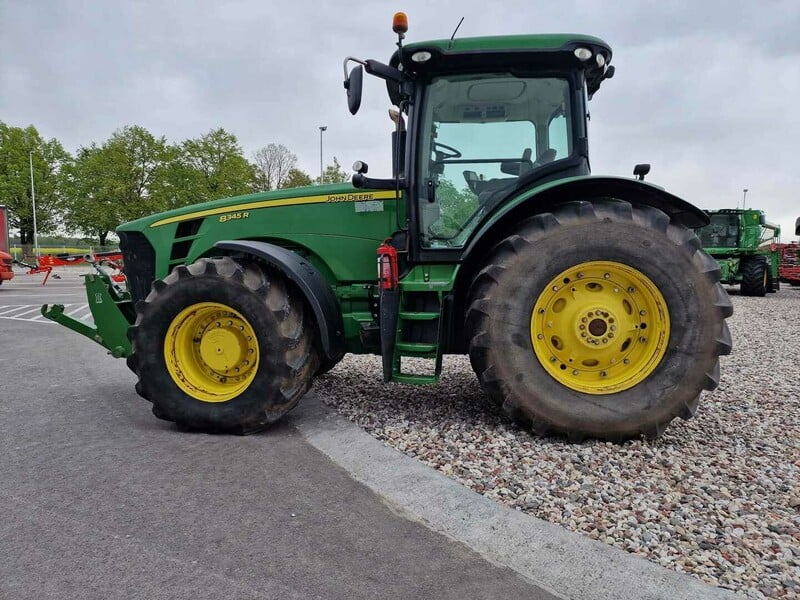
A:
x: 101, y: 500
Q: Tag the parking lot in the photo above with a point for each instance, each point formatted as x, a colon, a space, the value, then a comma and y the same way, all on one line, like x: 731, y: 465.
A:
x: 105, y: 501
x: 102, y: 500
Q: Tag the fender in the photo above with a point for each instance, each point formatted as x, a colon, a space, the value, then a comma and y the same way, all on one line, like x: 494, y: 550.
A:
x: 312, y: 284
x: 542, y: 198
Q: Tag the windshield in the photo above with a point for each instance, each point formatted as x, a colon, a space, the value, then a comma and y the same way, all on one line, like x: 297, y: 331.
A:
x: 480, y: 134
x: 721, y: 232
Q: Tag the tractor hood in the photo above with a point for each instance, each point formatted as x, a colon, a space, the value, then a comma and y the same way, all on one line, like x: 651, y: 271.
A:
x: 228, y: 208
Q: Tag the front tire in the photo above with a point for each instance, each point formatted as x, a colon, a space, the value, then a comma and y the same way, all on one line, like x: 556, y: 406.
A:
x: 599, y: 319
x: 755, y: 277
x: 222, y: 347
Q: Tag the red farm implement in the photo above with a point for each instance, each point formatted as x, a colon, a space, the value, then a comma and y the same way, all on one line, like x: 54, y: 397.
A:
x: 789, y: 266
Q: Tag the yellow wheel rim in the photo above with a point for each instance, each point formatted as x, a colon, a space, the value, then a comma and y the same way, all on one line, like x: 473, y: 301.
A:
x: 211, y: 352
x: 600, y: 327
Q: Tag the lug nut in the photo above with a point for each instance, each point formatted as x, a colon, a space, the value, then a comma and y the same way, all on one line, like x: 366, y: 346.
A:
x: 539, y: 337
x: 602, y: 373
x: 575, y: 371
x: 643, y: 312
x: 606, y: 275
x: 580, y: 275
x: 552, y: 359
x: 626, y: 361
x: 631, y: 290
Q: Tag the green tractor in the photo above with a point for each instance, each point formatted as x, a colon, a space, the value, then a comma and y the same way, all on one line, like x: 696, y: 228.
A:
x: 745, y: 246
x: 586, y: 304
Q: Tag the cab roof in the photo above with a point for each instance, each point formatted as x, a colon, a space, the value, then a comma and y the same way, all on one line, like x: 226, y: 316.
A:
x: 531, y: 42
x: 514, y: 52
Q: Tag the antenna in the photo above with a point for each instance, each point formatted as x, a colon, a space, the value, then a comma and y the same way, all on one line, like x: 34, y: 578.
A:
x: 450, y: 45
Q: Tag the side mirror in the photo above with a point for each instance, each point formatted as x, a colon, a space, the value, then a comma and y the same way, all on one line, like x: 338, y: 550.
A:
x: 641, y: 170
x: 353, y: 85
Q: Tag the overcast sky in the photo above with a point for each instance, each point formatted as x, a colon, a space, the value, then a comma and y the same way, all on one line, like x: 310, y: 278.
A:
x: 704, y: 91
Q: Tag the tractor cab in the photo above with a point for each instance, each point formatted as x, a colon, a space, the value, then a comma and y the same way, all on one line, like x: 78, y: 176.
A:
x: 487, y: 119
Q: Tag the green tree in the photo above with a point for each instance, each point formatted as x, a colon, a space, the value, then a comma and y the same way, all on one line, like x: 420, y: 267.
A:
x: 49, y: 156
x: 209, y: 167
x: 123, y: 179
x: 456, y: 208
x: 334, y: 173
x: 296, y: 178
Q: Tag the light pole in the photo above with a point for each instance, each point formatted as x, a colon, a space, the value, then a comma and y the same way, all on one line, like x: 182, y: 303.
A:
x: 321, y: 172
x: 744, y: 197
x: 33, y: 199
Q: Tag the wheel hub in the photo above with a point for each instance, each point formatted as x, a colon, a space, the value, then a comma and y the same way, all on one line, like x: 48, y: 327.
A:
x: 600, y: 327
x: 211, y: 352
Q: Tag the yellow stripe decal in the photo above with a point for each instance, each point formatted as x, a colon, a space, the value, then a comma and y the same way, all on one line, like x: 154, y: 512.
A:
x: 323, y: 199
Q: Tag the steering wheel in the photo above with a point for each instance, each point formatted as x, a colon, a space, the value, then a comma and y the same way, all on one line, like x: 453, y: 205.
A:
x: 440, y: 155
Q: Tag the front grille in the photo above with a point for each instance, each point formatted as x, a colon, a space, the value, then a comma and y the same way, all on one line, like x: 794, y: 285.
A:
x: 140, y: 263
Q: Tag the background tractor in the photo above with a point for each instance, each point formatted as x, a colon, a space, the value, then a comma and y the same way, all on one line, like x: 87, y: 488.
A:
x: 745, y: 246
x: 586, y: 304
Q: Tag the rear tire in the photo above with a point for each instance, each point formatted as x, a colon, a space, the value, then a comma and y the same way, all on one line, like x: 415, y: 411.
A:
x: 549, y: 251
x: 211, y: 313
x: 755, y: 277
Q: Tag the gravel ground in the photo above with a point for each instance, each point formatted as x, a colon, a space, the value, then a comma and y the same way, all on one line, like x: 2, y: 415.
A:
x: 717, y: 497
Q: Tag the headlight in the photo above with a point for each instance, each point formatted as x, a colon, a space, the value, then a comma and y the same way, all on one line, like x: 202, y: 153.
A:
x: 421, y: 56
x: 583, y: 53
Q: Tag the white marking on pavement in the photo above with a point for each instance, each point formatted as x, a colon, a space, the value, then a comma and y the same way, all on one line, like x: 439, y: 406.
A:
x: 32, y: 314
x: 12, y: 295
